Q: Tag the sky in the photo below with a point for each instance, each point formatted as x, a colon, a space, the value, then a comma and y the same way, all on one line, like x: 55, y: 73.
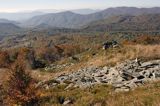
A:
x: 23, y: 5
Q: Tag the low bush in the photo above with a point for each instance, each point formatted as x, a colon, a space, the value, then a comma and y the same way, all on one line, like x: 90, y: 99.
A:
x: 21, y: 88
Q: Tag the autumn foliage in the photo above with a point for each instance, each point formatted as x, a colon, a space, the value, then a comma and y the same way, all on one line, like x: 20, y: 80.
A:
x: 142, y: 39
x: 4, y: 59
x: 147, y: 39
x: 57, y: 52
x: 21, y: 88
x: 70, y: 49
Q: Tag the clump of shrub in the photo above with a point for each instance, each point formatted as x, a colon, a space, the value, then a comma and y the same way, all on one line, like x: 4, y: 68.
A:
x: 4, y: 59
x: 27, y: 56
x: 57, y: 52
x: 21, y: 87
x: 70, y: 49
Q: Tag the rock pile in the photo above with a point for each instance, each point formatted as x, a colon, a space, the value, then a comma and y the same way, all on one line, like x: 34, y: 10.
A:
x: 123, y: 77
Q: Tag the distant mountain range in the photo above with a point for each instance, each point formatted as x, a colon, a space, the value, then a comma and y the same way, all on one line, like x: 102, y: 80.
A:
x: 8, y: 21
x: 21, y: 16
x: 85, y: 11
x: 77, y: 11
x: 9, y: 28
x: 72, y: 20
x: 120, y: 18
x: 144, y: 22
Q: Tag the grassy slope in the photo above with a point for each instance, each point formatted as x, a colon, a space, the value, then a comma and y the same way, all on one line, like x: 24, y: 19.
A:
x: 94, y: 55
x: 102, y: 58
x: 103, y: 95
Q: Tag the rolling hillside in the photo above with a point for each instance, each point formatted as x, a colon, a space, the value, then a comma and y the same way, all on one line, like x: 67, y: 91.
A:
x: 145, y: 22
x: 8, y: 28
x: 112, y: 19
x: 72, y: 20
x: 7, y: 21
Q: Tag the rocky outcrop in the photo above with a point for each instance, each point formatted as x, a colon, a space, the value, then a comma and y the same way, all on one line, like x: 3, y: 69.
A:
x: 123, y: 77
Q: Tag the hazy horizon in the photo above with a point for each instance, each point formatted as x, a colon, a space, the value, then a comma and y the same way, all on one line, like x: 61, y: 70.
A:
x: 34, y: 5
x: 61, y: 10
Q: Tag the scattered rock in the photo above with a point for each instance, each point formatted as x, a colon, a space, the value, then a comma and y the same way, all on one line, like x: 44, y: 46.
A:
x: 122, y: 89
x: 52, y: 67
x: 67, y: 102
x: 123, y: 77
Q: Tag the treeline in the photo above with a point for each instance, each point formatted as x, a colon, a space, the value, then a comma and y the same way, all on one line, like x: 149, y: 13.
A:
x: 39, y: 57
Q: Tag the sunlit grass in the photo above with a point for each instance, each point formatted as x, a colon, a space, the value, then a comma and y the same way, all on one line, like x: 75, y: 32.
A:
x: 104, y: 95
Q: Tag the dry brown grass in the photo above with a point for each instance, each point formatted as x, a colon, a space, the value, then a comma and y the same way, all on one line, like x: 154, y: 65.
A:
x: 144, y: 96
x: 103, y: 95
x: 148, y: 51
x: 114, y: 56
x: 4, y: 75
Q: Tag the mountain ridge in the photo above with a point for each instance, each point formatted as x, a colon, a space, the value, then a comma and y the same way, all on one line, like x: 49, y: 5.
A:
x: 72, y: 20
x: 144, y: 22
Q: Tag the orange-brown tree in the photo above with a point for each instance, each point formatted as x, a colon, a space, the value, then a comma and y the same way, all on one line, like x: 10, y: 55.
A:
x: 21, y: 87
